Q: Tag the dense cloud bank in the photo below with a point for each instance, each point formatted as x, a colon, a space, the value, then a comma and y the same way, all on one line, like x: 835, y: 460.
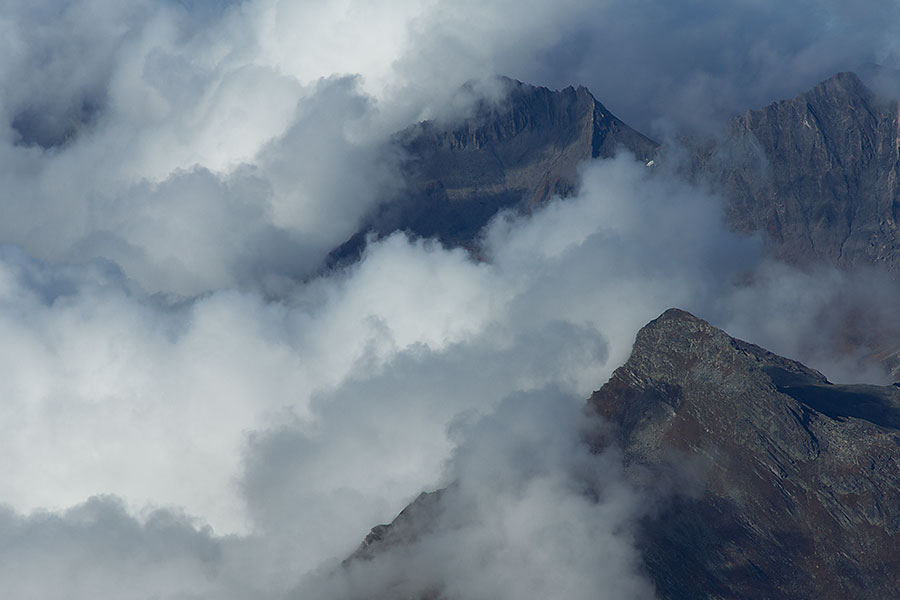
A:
x: 301, y: 423
x: 543, y: 516
x: 191, y: 408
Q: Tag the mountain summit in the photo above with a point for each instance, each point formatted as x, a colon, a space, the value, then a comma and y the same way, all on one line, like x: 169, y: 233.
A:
x: 819, y: 173
x: 515, y: 153
x: 789, y: 486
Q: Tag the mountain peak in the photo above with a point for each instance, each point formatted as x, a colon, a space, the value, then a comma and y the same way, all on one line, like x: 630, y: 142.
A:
x: 515, y: 152
x: 675, y: 318
x: 570, y: 119
x: 796, y: 479
x: 819, y: 174
x: 845, y: 81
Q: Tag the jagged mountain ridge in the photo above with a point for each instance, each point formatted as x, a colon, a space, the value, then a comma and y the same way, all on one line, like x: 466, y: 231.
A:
x: 779, y: 483
x: 511, y: 154
x: 799, y: 485
x: 819, y: 173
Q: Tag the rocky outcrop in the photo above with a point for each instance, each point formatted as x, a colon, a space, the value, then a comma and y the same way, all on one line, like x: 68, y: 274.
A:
x: 415, y: 521
x: 768, y: 480
x: 788, y: 486
x: 819, y: 173
x: 511, y: 154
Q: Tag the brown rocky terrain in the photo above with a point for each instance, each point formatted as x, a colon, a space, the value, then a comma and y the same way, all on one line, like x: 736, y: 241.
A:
x: 818, y: 173
x: 797, y: 490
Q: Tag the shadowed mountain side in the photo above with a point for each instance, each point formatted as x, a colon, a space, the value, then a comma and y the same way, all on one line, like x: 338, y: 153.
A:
x: 770, y: 482
x: 413, y: 522
x: 512, y: 154
x: 797, y: 489
x: 818, y: 173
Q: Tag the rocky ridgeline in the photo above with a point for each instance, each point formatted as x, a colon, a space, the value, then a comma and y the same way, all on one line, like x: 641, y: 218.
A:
x: 793, y: 482
x: 515, y: 153
x: 768, y: 481
x: 819, y: 173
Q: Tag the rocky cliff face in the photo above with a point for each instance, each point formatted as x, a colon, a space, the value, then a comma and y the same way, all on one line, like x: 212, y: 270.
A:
x: 819, y: 173
x: 770, y: 481
x: 511, y: 154
x: 793, y: 483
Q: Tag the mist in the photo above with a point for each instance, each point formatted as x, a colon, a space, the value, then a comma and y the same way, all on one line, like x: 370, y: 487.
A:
x: 194, y: 406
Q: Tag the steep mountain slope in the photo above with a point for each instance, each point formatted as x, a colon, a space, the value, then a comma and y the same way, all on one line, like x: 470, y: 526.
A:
x: 819, y: 173
x: 513, y: 154
x: 771, y: 481
x: 796, y: 481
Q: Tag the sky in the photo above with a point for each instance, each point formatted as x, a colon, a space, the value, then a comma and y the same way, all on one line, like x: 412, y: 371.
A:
x: 193, y: 408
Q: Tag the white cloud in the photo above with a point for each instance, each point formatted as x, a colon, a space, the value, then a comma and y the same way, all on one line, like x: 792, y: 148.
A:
x: 306, y: 420
x: 200, y: 159
x: 531, y: 513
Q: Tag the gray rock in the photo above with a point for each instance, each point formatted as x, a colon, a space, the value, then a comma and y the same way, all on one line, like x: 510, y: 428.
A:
x: 769, y: 481
x: 412, y: 523
x: 514, y: 154
x: 818, y: 173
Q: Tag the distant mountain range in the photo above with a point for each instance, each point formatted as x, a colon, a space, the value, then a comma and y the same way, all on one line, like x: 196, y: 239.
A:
x: 818, y: 174
x: 796, y: 489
